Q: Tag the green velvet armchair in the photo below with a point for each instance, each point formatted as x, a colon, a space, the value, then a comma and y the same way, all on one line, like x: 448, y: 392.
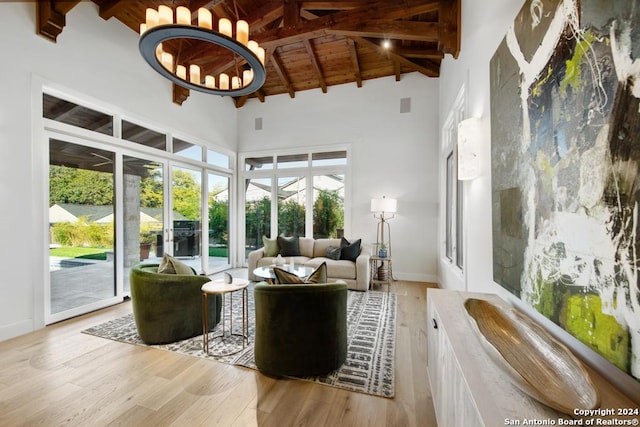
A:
x: 300, y: 329
x: 168, y: 307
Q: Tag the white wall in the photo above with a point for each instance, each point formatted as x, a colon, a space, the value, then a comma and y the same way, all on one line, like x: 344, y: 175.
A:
x: 392, y: 154
x: 484, y: 24
x: 97, y: 60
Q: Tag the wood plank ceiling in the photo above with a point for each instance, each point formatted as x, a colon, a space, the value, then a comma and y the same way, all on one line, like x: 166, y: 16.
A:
x: 310, y: 44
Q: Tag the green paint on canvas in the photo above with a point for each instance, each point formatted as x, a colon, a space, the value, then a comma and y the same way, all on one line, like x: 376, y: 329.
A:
x: 549, y: 297
x: 572, y: 76
x: 536, y: 90
x: 544, y: 165
x: 582, y: 317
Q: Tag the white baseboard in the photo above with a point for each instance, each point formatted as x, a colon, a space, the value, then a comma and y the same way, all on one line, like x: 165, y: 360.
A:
x: 409, y: 277
x: 16, y: 329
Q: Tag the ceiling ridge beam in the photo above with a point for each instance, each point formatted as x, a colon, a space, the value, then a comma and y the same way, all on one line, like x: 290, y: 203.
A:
x: 378, y: 10
x: 331, y: 5
x: 421, y: 53
x: 316, y: 65
x: 402, y: 30
x: 429, y: 69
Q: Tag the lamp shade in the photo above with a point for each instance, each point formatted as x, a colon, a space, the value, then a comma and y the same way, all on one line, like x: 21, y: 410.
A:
x: 469, y: 137
x: 384, y: 205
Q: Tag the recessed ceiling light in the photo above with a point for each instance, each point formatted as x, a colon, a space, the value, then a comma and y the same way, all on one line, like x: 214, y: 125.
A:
x: 386, y: 44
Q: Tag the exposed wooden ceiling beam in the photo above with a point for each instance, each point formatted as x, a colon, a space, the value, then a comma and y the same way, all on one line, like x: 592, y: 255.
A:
x: 64, y: 6
x: 347, y: 19
x: 316, y: 66
x: 425, y: 67
x: 51, y: 17
x: 260, y: 18
x: 402, y: 30
x: 101, y: 123
x: 450, y: 21
x: 277, y: 64
x: 180, y: 94
x: 355, y: 62
x: 62, y: 110
x: 305, y: 14
x: 240, y: 101
x: 291, y: 12
x: 331, y: 5
x: 418, y: 53
x: 110, y: 8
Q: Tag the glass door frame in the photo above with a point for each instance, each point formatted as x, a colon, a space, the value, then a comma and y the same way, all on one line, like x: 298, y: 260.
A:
x: 231, y: 220
x: 50, y: 317
x: 64, y: 132
x: 204, y: 213
x: 119, y: 153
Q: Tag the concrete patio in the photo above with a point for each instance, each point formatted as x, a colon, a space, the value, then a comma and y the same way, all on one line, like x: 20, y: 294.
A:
x: 75, y: 283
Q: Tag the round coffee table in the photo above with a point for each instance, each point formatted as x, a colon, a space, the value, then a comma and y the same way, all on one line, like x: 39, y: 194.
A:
x: 221, y: 288
x: 268, y: 274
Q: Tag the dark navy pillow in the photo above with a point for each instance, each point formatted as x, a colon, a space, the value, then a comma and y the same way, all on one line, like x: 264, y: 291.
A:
x: 350, y: 251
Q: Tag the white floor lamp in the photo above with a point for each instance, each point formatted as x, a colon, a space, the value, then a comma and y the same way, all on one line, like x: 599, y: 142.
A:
x: 381, y: 209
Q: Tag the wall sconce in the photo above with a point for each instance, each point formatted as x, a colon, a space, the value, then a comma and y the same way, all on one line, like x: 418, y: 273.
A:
x: 469, y: 139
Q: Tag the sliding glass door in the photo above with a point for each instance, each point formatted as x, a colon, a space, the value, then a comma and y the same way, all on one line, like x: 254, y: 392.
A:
x: 218, y: 227
x: 82, y: 271
x: 186, y: 216
x: 143, y: 213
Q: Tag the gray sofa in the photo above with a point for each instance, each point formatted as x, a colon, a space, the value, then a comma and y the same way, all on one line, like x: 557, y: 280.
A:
x: 312, y: 254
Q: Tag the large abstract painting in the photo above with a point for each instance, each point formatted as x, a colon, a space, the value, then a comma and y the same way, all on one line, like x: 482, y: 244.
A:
x: 565, y: 125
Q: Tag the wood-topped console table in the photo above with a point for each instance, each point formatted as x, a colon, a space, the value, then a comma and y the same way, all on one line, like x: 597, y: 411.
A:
x: 469, y: 388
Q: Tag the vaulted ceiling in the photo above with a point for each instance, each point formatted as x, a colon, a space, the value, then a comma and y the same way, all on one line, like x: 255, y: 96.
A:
x: 309, y: 44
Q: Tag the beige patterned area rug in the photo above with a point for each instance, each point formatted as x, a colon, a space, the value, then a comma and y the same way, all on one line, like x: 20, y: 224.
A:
x: 369, y: 368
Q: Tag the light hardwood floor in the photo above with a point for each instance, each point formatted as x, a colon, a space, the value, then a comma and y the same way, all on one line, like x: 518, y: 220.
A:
x: 60, y: 376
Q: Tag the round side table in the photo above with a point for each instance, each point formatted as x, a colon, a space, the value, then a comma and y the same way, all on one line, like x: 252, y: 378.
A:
x: 221, y: 288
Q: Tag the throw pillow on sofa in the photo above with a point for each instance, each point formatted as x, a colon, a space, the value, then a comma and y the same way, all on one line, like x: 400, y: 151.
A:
x: 289, y: 246
x: 350, y: 251
x: 170, y: 265
x: 270, y: 246
x: 283, y: 277
x: 333, y: 252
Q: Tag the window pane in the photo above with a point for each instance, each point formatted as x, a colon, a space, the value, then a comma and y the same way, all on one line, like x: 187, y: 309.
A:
x: 258, y: 163
x: 218, y: 222
x: 291, y: 206
x: 147, y: 137
x: 257, y: 212
x: 187, y: 149
x: 81, y: 211
x: 187, y: 214
x: 217, y: 159
x: 76, y: 115
x: 449, y: 209
x: 331, y: 158
x: 328, y: 206
x: 143, y: 214
x: 293, y: 161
